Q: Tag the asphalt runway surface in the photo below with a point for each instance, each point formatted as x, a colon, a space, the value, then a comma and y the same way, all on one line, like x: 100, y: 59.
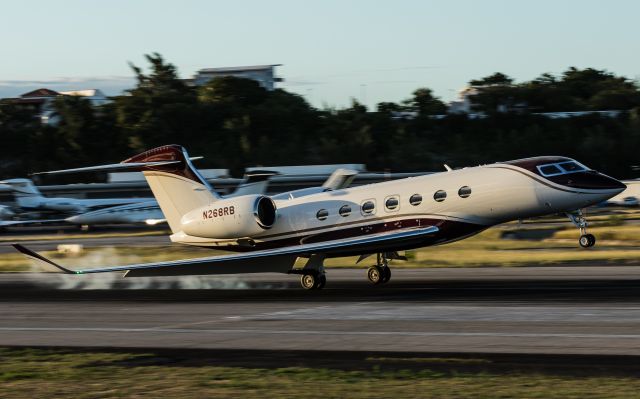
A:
x: 591, y: 310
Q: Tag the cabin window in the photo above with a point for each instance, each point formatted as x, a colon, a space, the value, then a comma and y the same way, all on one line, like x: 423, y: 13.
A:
x: 440, y: 195
x: 392, y: 203
x: 415, y: 200
x: 464, y: 192
x: 368, y: 207
x: 345, y: 211
x: 322, y: 214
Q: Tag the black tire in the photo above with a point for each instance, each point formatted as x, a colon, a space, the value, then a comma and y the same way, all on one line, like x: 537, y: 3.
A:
x: 322, y: 281
x: 309, y: 281
x: 592, y: 240
x: 585, y: 241
x: 375, y: 274
x: 386, y: 274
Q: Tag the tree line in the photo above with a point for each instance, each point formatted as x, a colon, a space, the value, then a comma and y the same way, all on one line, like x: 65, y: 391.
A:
x: 235, y: 123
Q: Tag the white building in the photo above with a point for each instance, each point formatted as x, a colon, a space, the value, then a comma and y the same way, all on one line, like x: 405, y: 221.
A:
x: 464, y: 102
x: 41, y: 101
x: 263, y: 74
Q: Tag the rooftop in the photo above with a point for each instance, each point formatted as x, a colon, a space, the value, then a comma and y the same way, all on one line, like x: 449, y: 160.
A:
x: 240, y: 68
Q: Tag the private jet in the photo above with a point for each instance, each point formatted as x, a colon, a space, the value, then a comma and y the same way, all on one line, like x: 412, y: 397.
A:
x: 269, y: 234
x: 28, y: 197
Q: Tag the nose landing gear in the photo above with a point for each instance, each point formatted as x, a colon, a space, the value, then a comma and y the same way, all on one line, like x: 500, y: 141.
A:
x: 580, y: 221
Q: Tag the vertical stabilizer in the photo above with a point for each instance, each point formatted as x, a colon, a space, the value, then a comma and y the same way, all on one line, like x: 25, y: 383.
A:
x: 178, y: 187
x: 25, y: 192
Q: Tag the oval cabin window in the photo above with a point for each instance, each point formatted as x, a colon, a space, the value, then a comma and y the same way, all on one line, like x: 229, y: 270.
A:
x: 345, y: 211
x: 440, y: 195
x: 415, y: 200
x: 368, y: 207
x: 392, y: 203
x: 322, y: 214
x: 464, y: 192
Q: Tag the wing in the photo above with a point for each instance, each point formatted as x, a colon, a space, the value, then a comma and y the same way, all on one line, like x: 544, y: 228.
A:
x: 7, y: 223
x: 270, y: 260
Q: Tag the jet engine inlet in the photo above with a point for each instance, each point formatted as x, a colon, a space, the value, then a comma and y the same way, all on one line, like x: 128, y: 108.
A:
x: 265, y: 212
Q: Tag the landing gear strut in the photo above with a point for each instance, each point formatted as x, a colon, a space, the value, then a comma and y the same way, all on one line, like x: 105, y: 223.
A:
x: 580, y: 221
x: 380, y: 273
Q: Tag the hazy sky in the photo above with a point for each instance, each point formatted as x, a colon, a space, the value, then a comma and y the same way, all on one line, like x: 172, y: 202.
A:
x: 332, y: 50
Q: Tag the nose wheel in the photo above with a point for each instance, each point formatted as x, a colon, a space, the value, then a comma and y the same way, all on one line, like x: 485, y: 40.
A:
x: 579, y: 219
x: 587, y: 240
x: 380, y: 273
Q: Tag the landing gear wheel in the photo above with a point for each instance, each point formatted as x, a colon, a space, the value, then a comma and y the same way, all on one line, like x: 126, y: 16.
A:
x: 587, y: 240
x: 313, y: 281
x: 322, y: 281
x: 375, y: 274
x: 309, y: 281
x: 386, y: 274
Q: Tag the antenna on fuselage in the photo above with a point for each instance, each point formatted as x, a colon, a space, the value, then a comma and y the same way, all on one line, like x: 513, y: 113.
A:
x: 447, y: 167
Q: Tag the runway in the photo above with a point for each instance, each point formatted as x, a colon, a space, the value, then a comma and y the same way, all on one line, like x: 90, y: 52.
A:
x: 533, y: 310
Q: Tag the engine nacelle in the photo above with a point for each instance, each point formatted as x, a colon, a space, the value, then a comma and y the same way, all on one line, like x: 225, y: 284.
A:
x: 231, y: 218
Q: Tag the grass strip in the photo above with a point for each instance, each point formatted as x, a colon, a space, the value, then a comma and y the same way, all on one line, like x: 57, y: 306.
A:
x: 53, y: 373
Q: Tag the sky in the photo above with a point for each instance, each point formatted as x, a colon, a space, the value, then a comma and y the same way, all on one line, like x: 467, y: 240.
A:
x: 332, y: 51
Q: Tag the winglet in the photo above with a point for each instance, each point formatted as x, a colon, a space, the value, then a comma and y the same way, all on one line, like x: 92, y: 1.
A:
x: 33, y: 255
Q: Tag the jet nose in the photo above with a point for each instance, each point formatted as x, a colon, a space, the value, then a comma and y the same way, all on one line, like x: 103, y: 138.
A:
x: 74, y: 219
x: 609, y: 183
x: 590, y: 180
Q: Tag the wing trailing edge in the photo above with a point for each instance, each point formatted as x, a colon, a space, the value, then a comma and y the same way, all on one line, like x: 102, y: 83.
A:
x: 269, y: 260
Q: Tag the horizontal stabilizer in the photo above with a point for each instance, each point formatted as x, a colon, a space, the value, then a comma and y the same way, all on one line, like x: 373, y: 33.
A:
x: 109, y: 167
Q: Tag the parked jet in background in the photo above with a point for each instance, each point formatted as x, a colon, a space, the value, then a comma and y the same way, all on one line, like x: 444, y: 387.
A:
x: 382, y: 218
x: 28, y: 197
x: 629, y: 197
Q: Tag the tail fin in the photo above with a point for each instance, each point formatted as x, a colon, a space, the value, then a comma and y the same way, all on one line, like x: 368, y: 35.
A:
x: 178, y: 187
x: 255, y: 182
x: 25, y: 192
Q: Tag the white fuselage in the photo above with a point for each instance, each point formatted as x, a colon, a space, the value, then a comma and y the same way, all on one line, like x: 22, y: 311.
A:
x: 143, y: 212
x: 74, y: 205
x: 498, y: 193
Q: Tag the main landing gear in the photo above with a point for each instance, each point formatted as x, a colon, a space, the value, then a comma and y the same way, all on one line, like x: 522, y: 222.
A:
x: 580, y: 221
x: 380, y: 273
x: 312, y: 275
x: 313, y: 280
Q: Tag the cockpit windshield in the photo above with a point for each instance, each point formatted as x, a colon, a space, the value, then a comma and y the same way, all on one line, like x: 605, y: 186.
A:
x: 571, y: 167
x: 549, y: 170
x: 561, y: 168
